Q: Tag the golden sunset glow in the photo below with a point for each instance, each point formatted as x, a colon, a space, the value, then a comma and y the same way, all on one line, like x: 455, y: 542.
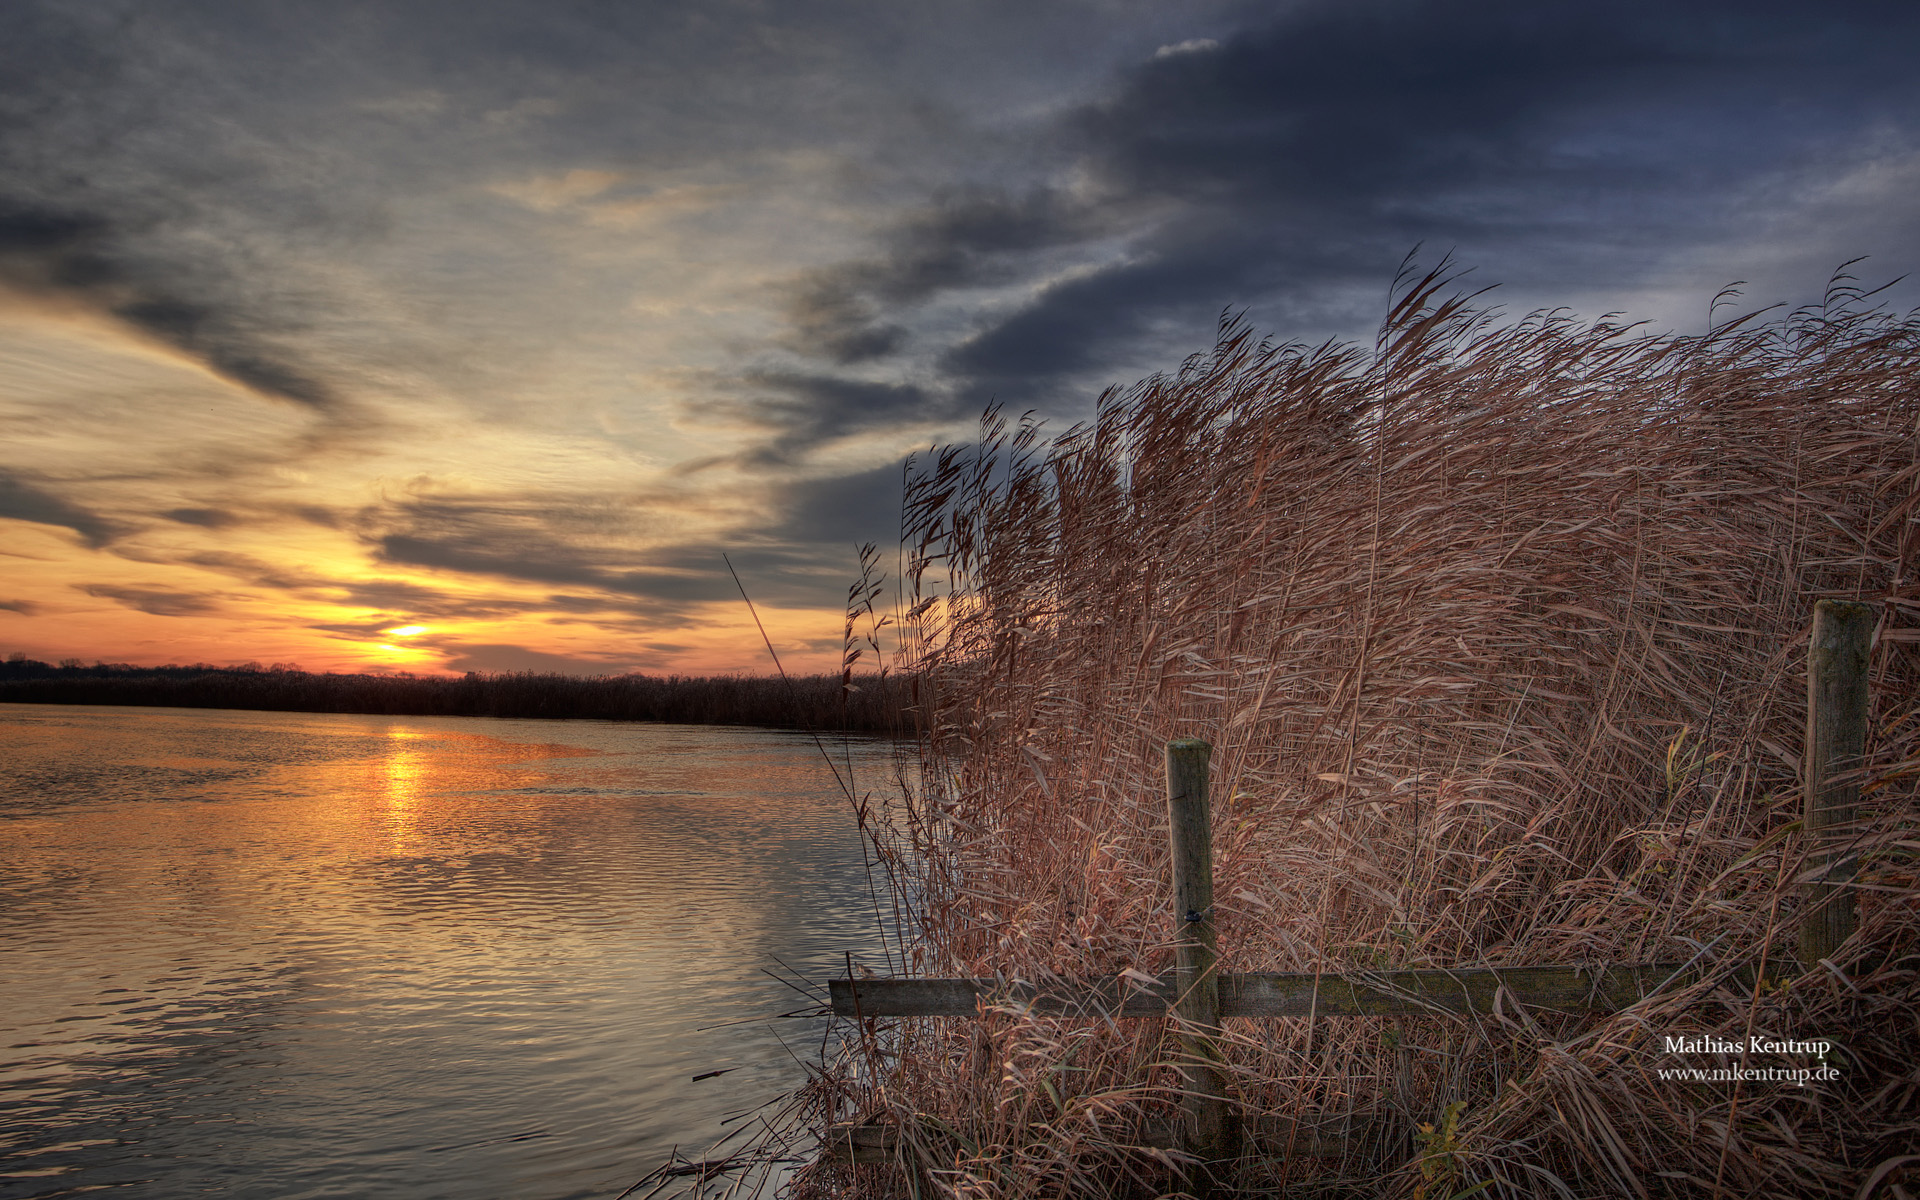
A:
x: 297, y: 565
x: 408, y: 344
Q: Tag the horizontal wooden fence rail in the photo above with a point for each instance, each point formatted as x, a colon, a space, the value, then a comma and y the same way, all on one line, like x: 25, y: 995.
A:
x: 1279, y: 994
x: 1198, y: 996
x: 1330, y: 1136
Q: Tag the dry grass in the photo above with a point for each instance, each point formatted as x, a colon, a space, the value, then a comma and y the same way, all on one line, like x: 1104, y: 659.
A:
x: 1499, y: 633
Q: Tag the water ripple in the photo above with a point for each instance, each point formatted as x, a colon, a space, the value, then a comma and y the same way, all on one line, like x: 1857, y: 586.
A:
x: 289, y: 955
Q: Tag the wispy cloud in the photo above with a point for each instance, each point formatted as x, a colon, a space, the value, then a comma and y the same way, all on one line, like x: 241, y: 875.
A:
x: 160, y: 602
x: 82, y: 257
x: 206, y: 518
x: 1288, y: 167
x: 551, y: 304
x: 1190, y: 46
x: 22, y: 500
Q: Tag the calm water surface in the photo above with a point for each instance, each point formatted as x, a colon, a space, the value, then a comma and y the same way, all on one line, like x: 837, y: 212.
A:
x: 295, y: 955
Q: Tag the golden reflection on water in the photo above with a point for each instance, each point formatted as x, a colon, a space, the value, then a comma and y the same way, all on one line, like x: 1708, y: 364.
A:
x: 403, y: 772
x: 322, y: 921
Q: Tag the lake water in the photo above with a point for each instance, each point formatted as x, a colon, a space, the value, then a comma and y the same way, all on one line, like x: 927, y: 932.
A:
x: 293, y: 955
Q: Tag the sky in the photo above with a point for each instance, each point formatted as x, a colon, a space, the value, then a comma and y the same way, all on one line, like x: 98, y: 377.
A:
x: 450, y: 335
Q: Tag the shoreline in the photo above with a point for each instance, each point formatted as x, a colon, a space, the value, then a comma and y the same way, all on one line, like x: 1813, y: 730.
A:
x: 816, y: 702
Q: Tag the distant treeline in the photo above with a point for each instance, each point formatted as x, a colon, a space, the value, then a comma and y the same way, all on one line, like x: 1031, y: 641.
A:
x: 805, y: 702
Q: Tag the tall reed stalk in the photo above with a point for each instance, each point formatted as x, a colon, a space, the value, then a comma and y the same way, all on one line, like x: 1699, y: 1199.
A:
x: 1499, y: 632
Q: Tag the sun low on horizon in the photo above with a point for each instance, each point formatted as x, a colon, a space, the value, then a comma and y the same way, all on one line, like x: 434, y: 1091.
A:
x: 234, y: 527
x: 510, y: 336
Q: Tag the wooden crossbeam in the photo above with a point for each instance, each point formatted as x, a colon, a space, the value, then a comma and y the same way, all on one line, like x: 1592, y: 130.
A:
x: 1269, y: 994
x: 1313, y: 1137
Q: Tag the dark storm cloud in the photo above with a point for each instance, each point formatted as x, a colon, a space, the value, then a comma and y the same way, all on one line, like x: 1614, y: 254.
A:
x: 256, y: 572
x: 968, y: 239
x: 367, y: 204
x: 176, y: 166
x: 397, y: 595
x: 181, y: 168
x: 410, y: 603
x: 574, y: 542
x: 404, y: 603
x: 820, y: 407
x: 159, y: 602
x: 25, y: 608
x: 84, y: 258
x: 802, y: 555
x: 1072, y: 325
x: 1290, y: 166
x: 206, y: 518
x: 843, y: 510
x: 141, y: 180
x: 313, y: 514
x: 809, y: 409
x: 772, y: 572
x: 580, y: 604
x: 754, y: 555
x: 551, y: 563
x: 218, y: 333
x: 833, y: 319
x: 23, y: 501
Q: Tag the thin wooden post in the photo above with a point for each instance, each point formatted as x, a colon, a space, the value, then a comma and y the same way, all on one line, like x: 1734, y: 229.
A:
x: 1211, y: 1132
x: 1836, y: 743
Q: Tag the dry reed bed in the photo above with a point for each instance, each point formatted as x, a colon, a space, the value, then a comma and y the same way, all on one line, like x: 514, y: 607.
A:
x: 1499, y: 634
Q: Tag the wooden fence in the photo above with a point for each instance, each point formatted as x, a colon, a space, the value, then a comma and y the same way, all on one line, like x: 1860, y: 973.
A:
x: 1197, y: 996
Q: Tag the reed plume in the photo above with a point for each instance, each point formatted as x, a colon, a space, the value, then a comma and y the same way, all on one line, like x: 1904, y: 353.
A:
x: 1498, y: 629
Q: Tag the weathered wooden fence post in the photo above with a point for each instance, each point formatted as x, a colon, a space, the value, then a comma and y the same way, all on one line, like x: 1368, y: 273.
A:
x: 1211, y: 1131
x: 1196, y: 995
x: 1836, y: 743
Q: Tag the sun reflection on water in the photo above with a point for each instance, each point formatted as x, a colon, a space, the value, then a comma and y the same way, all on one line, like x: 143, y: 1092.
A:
x: 403, y: 774
x: 362, y: 931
